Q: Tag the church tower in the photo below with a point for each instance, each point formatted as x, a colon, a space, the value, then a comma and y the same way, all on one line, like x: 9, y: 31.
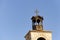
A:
x: 37, y: 32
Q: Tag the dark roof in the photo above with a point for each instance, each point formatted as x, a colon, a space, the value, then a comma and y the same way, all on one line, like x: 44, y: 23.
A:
x: 34, y: 17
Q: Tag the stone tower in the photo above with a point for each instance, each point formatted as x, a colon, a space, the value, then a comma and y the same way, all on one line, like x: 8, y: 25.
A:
x: 37, y: 32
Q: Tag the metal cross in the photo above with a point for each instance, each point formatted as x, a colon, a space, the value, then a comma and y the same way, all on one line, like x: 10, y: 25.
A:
x: 36, y: 12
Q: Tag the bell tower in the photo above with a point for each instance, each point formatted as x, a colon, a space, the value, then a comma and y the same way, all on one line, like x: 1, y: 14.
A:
x: 37, y: 32
x: 37, y: 22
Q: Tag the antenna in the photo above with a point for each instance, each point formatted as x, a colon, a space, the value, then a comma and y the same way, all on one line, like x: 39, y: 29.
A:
x: 36, y: 12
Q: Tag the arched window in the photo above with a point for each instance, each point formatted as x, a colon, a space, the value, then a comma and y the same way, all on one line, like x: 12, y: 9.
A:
x: 41, y: 38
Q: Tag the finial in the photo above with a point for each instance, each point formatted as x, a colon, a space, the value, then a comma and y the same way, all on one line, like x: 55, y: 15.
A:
x: 36, y: 12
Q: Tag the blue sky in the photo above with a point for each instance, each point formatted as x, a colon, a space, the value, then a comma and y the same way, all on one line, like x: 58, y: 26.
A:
x: 15, y: 17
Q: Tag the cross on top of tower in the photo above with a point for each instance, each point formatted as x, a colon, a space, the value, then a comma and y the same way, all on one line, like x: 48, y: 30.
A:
x: 36, y: 12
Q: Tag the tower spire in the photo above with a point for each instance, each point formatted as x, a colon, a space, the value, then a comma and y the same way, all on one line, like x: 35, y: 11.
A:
x: 36, y: 11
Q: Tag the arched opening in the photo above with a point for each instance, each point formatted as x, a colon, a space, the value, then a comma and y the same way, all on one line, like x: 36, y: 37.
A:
x: 41, y: 38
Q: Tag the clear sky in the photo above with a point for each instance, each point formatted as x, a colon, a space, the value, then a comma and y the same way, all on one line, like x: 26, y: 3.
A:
x: 15, y: 17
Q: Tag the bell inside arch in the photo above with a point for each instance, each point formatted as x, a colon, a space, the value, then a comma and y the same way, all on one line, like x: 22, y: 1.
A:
x: 38, y: 21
